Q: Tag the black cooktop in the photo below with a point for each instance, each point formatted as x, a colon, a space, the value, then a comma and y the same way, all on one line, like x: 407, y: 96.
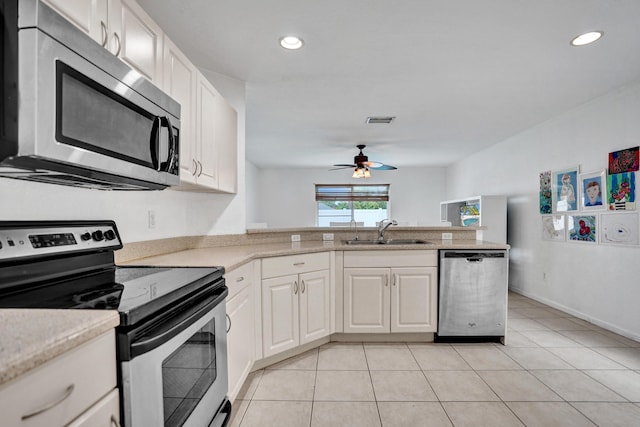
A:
x: 71, y: 265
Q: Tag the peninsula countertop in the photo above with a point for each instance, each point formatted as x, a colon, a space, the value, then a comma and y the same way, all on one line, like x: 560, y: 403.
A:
x: 231, y: 257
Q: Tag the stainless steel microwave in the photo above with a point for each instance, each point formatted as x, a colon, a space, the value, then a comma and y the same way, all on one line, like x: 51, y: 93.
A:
x: 74, y: 114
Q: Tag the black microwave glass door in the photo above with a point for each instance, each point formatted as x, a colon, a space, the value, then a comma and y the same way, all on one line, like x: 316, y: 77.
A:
x: 97, y: 119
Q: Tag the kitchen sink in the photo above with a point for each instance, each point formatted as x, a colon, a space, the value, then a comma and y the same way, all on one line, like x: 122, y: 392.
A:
x: 388, y: 242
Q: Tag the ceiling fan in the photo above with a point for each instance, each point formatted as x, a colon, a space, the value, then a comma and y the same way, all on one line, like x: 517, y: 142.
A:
x: 362, y: 165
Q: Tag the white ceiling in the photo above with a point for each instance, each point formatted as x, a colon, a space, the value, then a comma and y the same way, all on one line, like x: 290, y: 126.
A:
x: 459, y: 75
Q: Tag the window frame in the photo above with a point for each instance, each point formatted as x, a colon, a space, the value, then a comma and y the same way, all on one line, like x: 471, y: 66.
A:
x: 349, y: 193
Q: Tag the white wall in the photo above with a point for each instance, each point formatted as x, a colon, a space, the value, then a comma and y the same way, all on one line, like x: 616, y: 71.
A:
x: 177, y: 213
x: 415, y: 194
x: 252, y: 177
x: 597, y: 282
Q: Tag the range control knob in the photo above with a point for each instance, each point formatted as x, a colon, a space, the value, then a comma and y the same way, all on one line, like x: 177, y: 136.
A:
x: 85, y: 236
x: 109, y: 235
x: 97, y: 235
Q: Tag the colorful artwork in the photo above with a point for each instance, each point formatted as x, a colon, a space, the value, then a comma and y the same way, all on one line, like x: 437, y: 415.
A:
x: 622, y: 191
x: 546, y: 203
x: 565, y: 184
x: 470, y: 215
x: 619, y: 229
x: 593, y: 190
x: 582, y: 228
x: 624, y: 160
x: 553, y: 227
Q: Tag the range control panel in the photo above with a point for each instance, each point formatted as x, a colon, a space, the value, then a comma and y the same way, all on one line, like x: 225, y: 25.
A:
x: 28, y: 239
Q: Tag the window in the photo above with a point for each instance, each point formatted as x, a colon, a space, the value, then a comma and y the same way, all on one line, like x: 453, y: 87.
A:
x: 341, y: 204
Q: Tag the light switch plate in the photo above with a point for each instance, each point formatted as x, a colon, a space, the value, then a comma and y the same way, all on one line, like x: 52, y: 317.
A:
x: 447, y: 236
x: 295, y: 237
x: 327, y: 236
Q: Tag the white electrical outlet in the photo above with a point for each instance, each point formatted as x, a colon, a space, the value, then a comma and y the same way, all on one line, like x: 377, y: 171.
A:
x: 327, y: 236
x: 295, y: 237
x: 152, y: 219
x: 447, y: 236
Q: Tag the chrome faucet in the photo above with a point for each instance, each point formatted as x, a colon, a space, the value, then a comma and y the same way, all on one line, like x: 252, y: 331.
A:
x: 382, y: 227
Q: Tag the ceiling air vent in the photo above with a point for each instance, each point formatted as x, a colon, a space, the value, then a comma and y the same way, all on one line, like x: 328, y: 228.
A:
x: 376, y: 120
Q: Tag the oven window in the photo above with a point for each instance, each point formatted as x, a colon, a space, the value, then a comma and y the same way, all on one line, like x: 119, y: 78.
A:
x: 187, y: 374
x: 92, y: 117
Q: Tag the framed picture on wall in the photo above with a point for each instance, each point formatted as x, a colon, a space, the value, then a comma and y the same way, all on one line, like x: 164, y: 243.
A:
x: 553, y: 228
x: 583, y: 228
x: 593, y: 190
x: 546, y: 199
x: 619, y: 228
x: 622, y: 191
x: 565, y: 189
x: 626, y: 160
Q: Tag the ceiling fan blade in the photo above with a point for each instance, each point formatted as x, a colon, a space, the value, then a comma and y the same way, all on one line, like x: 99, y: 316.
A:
x: 381, y: 166
x: 342, y: 166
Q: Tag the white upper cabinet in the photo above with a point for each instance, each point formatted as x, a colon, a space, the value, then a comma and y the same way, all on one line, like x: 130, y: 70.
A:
x: 180, y: 77
x: 136, y: 39
x: 90, y: 16
x: 122, y: 27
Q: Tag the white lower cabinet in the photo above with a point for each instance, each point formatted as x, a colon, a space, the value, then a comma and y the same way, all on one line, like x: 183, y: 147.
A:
x: 399, y: 297
x: 105, y: 413
x: 66, y: 389
x: 296, y: 308
x: 241, y: 327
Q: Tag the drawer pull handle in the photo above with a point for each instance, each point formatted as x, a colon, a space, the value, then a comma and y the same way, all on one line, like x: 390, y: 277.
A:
x: 240, y: 279
x: 229, y: 323
x: 51, y: 405
x: 114, y: 421
x: 297, y: 264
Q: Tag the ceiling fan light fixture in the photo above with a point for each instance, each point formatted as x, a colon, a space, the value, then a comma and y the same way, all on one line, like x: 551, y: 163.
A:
x: 291, y: 42
x: 361, y: 172
x: 586, y: 38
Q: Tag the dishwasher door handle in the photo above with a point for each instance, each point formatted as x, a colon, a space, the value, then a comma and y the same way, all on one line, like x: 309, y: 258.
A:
x: 474, y: 259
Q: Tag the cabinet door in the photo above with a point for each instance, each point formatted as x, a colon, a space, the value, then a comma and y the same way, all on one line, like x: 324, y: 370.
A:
x: 414, y: 293
x: 105, y: 413
x: 280, y: 314
x: 366, y: 300
x: 315, y: 305
x: 207, y: 119
x: 90, y: 16
x: 180, y: 83
x: 240, y: 338
x: 136, y: 38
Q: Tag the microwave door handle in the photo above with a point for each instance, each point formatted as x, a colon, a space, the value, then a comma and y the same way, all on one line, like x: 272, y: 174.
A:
x: 154, y: 143
x: 169, y: 165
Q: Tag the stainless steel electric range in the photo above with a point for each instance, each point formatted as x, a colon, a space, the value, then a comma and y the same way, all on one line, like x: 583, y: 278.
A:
x: 171, y: 342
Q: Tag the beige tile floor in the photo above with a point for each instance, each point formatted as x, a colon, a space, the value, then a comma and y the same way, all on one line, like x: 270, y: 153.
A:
x: 556, y: 370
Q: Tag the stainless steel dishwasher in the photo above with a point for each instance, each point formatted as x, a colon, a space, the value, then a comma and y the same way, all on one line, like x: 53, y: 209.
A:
x: 473, y: 293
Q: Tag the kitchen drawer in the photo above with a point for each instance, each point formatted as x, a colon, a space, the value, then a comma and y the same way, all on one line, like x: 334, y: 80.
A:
x: 105, y: 413
x: 295, y: 264
x: 68, y: 384
x: 393, y: 258
x: 239, y: 278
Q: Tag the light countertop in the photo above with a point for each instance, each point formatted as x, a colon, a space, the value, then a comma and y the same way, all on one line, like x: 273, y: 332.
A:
x: 231, y: 257
x: 31, y: 337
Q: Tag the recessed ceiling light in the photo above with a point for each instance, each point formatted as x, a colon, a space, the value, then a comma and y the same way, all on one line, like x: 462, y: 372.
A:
x: 586, y: 38
x: 291, y: 42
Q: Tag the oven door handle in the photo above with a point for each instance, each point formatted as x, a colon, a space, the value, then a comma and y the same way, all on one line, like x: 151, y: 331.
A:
x: 168, y: 329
